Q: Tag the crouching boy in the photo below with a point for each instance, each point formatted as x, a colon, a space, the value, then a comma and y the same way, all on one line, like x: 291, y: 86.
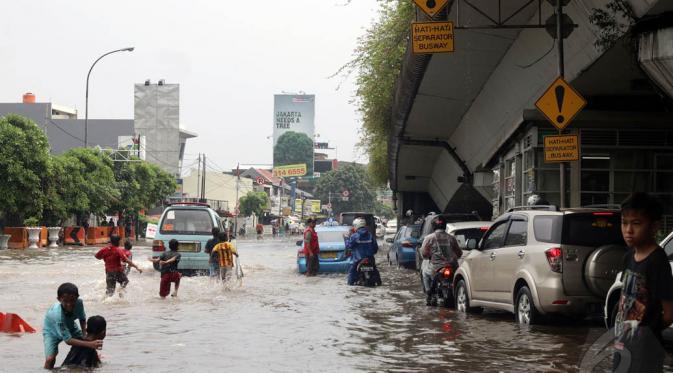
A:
x: 59, y: 324
x: 87, y: 357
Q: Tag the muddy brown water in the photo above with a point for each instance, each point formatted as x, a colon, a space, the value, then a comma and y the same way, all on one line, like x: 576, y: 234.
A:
x: 275, y: 321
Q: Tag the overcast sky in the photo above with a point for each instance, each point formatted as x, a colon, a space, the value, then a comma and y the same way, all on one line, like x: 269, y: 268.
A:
x: 229, y: 57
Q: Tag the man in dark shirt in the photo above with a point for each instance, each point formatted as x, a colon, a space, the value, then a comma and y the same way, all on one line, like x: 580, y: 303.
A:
x: 86, y: 356
x: 214, y: 268
x: 646, y: 304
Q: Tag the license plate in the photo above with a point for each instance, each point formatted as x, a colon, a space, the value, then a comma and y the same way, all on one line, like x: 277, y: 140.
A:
x: 366, y: 269
x: 190, y: 247
x: 328, y: 255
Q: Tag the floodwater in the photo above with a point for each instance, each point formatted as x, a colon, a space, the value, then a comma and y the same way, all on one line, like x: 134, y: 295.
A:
x: 274, y: 321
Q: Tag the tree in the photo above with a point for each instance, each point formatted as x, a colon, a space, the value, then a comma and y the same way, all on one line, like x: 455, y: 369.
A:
x: 24, y: 165
x: 255, y: 202
x: 141, y: 185
x: 377, y: 62
x: 294, y: 148
x: 352, y: 178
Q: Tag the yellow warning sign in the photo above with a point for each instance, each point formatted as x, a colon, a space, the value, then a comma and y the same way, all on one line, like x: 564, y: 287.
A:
x: 431, y: 7
x: 432, y: 37
x: 560, y: 103
x: 564, y: 148
x: 290, y: 170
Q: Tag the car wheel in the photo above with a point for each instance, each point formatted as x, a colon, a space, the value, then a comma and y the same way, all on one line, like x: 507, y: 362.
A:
x: 462, y: 299
x: 397, y: 260
x: 390, y: 262
x: 524, y: 310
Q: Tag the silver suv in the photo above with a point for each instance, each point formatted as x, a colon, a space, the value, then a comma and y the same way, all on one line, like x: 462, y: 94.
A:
x: 538, y: 261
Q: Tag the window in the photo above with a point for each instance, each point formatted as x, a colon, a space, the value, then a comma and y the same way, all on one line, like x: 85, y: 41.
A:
x: 413, y: 231
x: 463, y: 235
x: 184, y: 221
x: 496, y: 236
x: 592, y: 230
x: 518, y: 233
x: 400, y: 233
x: 668, y: 248
x: 547, y: 228
x: 331, y: 236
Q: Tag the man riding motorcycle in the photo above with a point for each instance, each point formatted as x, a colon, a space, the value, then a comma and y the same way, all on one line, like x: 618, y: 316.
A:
x: 439, y: 250
x: 362, y: 244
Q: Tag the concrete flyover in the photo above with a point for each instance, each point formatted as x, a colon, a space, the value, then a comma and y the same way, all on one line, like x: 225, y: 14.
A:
x: 466, y: 135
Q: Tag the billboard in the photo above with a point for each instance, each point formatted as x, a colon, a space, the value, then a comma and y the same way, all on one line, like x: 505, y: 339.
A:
x: 293, y: 130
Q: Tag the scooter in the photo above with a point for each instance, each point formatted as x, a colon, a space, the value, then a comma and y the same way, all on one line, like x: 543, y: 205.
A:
x: 444, y: 289
x: 368, y: 275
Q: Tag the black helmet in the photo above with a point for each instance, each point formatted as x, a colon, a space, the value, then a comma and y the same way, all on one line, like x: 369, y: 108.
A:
x: 438, y: 223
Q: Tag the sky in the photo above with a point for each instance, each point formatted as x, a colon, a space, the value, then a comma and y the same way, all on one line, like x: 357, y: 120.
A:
x: 229, y: 57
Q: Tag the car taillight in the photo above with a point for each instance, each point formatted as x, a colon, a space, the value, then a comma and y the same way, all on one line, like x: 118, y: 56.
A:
x: 300, y: 253
x: 407, y: 244
x: 158, y: 245
x: 483, y: 229
x: 555, y: 259
x: 446, y: 272
x: 603, y: 213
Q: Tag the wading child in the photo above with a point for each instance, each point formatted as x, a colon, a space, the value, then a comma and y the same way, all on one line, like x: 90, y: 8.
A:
x: 59, y: 324
x: 168, y: 264
x: 113, y: 255
x: 225, y: 252
x: 645, y: 307
x: 129, y: 255
x: 87, y: 357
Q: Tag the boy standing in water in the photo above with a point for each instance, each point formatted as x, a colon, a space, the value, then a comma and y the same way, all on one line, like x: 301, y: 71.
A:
x: 645, y: 307
x: 113, y: 255
x: 225, y: 252
x: 168, y: 264
x: 59, y: 324
x: 82, y: 356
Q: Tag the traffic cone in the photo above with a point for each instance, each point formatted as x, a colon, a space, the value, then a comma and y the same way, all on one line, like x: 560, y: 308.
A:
x: 13, y: 323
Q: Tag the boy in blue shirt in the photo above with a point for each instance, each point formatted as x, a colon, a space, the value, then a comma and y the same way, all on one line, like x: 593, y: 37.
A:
x: 59, y: 324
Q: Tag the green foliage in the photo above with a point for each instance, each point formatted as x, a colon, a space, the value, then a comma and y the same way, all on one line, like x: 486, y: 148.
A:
x: 31, y: 222
x: 141, y: 185
x: 294, y: 148
x: 612, y: 22
x: 350, y: 177
x: 92, y: 176
x: 383, y: 210
x: 377, y: 62
x: 24, y: 164
x: 254, y: 202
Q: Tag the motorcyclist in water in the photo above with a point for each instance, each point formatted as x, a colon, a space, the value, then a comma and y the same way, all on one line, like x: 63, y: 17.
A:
x: 439, y: 249
x: 362, y: 244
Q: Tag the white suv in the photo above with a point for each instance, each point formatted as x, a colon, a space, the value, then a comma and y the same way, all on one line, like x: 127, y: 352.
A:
x: 539, y: 260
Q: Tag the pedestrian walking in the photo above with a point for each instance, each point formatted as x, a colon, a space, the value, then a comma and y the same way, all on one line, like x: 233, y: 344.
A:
x: 311, y: 248
x: 113, y: 255
x: 645, y: 307
x: 168, y: 264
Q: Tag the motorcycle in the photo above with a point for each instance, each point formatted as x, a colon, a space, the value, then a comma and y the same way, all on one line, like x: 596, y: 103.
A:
x: 368, y: 275
x: 444, y: 288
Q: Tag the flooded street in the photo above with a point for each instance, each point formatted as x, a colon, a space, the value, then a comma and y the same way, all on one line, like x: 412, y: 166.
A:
x: 275, y: 321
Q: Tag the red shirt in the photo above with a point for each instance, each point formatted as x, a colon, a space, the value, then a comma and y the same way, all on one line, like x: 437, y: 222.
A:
x: 113, y: 257
x: 311, y: 242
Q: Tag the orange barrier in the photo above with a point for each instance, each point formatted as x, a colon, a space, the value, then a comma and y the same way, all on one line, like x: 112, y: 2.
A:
x: 44, y: 237
x: 13, y: 323
x: 19, y: 237
x: 98, y: 235
x: 68, y: 236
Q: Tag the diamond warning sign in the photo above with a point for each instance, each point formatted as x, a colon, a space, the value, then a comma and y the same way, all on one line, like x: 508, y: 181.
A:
x: 431, y: 7
x: 561, y: 148
x: 560, y: 103
x: 432, y: 37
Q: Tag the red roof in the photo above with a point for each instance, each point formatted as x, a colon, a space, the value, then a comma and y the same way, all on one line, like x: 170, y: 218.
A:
x: 268, y: 176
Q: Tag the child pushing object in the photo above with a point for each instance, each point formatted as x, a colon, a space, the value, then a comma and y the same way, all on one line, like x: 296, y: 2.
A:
x: 168, y: 264
x: 225, y: 252
x: 87, y: 357
x: 59, y: 324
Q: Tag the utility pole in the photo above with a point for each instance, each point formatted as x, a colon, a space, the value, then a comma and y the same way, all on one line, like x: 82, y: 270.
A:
x: 561, y: 73
x: 198, y: 179
x: 203, y: 180
x: 237, y: 209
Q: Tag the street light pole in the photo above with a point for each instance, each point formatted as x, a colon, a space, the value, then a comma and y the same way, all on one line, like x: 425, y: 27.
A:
x: 86, y: 102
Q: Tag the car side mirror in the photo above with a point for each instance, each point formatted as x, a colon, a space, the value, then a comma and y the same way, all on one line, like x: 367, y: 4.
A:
x: 471, y: 244
x: 390, y: 240
x: 300, y: 242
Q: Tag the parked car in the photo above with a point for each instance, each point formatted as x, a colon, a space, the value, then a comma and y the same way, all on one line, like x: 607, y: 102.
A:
x: 191, y: 224
x: 402, y: 246
x: 612, y: 299
x: 542, y: 261
x: 426, y: 228
x: 391, y: 227
x: 333, y: 256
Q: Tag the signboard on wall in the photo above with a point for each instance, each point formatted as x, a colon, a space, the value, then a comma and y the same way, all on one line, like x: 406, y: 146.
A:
x: 293, y: 131
x: 563, y: 148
